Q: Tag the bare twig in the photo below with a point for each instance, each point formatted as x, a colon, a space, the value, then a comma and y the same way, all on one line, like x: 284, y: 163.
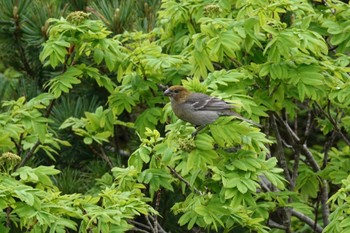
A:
x: 295, y: 168
x: 324, y: 199
x: 139, y: 230
x: 30, y: 153
x: 149, y: 223
x: 326, y: 148
x: 274, y: 224
x: 314, y: 165
x: 236, y: 62
x: 328, y: 115
x: 159, y: 227
x: 135, y: 223
x: 8, y: 220
x: 183, y: 180
x: 308, y: 127
x: 297, y: 142
x: 307, y: 220
x: 103, y: 155
x: 155, y: 218
x: 310, y: 158
x: 280, y: 152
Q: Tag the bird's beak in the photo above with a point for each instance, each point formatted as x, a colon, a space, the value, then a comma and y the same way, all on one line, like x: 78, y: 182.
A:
x: 167, y: 92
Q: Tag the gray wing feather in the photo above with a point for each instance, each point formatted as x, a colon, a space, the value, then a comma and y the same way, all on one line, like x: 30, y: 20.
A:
x: 202, y: 102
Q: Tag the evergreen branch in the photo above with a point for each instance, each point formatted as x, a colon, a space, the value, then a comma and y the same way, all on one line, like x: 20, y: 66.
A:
x: 17, y: 37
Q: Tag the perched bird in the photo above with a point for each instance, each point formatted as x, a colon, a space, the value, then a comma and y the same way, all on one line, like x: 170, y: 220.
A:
x: 199, y: 109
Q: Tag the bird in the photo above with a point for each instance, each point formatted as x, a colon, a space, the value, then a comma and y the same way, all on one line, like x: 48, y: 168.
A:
x: 199, y: 109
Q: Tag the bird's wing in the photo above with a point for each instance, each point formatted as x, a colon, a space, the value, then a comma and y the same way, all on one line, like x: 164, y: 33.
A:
x: 202, y: 102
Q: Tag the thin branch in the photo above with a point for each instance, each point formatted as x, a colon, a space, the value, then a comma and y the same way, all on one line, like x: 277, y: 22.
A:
x: 295, y: 168
x: 159, y: 227
x: 149, y: 223
x: 316, y: 209
x: 327, y: 147
x: 49, y: 108
x: 183, y: 180
x: 155, y: 218
x: 236, y: 62
x: 133, y: 222
x: 30, y: 153
x: 106, y: 158
x: 307, y: 220
x: 328, y: 115
x: 280, y: 151
x: 324, y: 202
x: 308, y: 127
x: 103, y: 155
x: 17, y: 145
x: 265, y: 184
x: 8, y: 220
x: 310, y: 158
x: 139, y: 230
x: 297, y: 142
x: 274, y: 224
x: 314, y: 165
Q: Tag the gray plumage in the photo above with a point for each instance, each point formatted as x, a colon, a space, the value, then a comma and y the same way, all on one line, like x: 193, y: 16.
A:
x: 199, y: 109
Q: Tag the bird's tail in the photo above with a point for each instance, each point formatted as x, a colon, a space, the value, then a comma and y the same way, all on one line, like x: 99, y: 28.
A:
x: 246, y: 120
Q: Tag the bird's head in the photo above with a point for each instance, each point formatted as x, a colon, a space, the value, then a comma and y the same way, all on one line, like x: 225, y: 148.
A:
x: 177, y: 93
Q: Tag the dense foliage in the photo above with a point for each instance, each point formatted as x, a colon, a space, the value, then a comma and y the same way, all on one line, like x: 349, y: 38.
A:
x: 89, y: 143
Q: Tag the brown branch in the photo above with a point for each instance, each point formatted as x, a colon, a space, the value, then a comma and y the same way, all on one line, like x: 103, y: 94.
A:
x: 30, y: 153
x: 314, y: 165
x: 135, y: 223
x: 274, y: 224
x: 328, y: 115
x: 159, y: 227
x: 155, y: 218
x: 103, y: 155
x: 295, y: 168
x: 149, y: 223
x: 310, y: 158
x: 17, y: 145
x: 145, y: 228
x: 8, y: 220
x: 280, y: 151
x: 327, y: 147
x: 297, y: 142
x: 139, y: 230
x: 173, y: 171
x: 324, y: 202
x: 307, y: 220
x: 308, y: 127
x: 236, y: 62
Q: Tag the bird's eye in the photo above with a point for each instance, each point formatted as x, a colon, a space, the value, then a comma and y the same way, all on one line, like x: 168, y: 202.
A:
x: 176, y: 91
